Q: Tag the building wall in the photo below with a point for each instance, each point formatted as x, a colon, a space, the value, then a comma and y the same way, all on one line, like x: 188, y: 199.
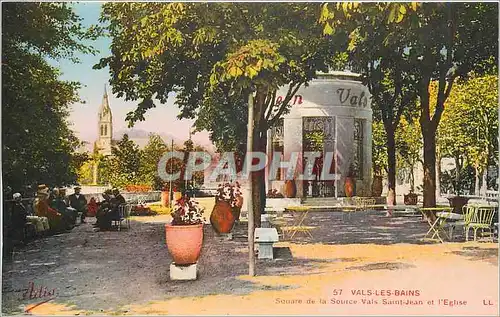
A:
x: 344, y: 100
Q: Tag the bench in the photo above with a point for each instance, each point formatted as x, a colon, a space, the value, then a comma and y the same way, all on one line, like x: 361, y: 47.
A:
x: 265, y: 238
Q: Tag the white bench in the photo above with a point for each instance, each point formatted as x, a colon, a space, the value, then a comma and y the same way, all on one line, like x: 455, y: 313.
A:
x: 265, y: 238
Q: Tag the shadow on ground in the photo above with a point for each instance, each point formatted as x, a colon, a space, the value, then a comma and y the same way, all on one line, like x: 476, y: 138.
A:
x: 489, y: 255
x: 362, y: 228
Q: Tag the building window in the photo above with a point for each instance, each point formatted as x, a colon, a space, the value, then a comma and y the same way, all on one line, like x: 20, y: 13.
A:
x: 102, y: 130
x: 105, y: 130
x: 358, y: 146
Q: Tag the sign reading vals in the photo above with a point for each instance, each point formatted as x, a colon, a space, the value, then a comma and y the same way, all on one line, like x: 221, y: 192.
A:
x: 346, y: 97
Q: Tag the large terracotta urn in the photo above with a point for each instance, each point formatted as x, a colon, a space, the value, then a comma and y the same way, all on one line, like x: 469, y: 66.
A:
x: 377, y: 186
x: 184, y: 243
x: 165, y: 199
x: 222, y: 217
x: 290, y: 189
x: 349, y: 187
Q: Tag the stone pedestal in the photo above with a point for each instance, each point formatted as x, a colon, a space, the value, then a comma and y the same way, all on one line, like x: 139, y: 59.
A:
x: 265, y: 250
x: 265, y: 221
x: 183, y: 273
x: 265, y: 237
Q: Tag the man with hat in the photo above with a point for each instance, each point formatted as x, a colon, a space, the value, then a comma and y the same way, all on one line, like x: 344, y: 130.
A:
x: 78, y: 201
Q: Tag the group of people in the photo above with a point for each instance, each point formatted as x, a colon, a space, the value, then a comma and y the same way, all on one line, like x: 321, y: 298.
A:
x: 55, y: 213
x: 61, y: 211
x: 109, y: 209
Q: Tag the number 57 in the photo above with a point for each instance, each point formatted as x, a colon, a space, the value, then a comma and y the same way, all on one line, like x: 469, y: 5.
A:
x: 337, y: 292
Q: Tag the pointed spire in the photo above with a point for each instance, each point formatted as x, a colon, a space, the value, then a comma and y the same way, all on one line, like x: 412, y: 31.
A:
x: 105, y: 91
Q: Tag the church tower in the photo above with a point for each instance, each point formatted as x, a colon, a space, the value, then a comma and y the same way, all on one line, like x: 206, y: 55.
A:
x: 105, y: 126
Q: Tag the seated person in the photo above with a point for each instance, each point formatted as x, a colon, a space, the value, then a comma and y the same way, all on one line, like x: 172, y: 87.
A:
x: 107, y: 211
x: 57, y: 202
x: 42, y: 209
x: 119, y: 198
x: 92, y: 207
x: 78, y: 202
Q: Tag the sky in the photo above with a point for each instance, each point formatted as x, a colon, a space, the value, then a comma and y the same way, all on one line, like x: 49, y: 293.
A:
x: 83, y: 117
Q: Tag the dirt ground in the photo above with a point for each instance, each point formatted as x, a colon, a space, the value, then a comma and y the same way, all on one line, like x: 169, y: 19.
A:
x: 127, y: 272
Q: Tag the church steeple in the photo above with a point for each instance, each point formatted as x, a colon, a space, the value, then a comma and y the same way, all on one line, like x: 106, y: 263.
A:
x: 105, y: 126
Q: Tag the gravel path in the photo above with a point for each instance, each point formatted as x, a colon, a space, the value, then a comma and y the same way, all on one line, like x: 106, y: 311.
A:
x: 127, y: 272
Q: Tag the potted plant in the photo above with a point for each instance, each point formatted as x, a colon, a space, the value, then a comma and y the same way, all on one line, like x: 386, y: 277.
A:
x: 290, y: 188
x: 350, y: 182
x: 228, y: 202
x: 184, y: 235
x: 411, y: 198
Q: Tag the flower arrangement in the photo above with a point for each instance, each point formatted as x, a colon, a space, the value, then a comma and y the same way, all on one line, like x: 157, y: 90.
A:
x: 142, y: 210
x: 187, y: 211
x: 137, y: 188
x: 229, y: 193
x: 273, y: 193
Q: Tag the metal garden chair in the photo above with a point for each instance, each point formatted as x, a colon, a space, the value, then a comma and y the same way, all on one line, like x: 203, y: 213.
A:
x: 481, y: 218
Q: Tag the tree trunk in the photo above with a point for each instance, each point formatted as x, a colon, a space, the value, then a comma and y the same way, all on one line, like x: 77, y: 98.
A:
x: 484, y: 184
x: 259, y: 145
x: 391, y: 164
x: 458, y: 168
x: 476, y: 182
x: 438, y: 176
x: 251, y: 224
x: 429, y: 137
x: 94, y: 172
x: 258, y: 180
x: 412, y: 178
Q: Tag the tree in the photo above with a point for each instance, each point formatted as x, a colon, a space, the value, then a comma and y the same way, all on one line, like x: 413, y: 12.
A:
x: 123, y: 166
x: 383, y: 62
x: 216, y: 53
x: 379, y: 150
x: 38, y: 145
x: 442, y: 41
x: 150, y: 156
x: 409, y: 147
x: 469, y: 126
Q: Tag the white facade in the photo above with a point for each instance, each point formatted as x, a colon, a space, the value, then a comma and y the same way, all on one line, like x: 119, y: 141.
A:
x: 340, y: 106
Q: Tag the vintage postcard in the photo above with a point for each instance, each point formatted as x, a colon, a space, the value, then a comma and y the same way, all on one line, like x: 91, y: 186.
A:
x: 250, y: 158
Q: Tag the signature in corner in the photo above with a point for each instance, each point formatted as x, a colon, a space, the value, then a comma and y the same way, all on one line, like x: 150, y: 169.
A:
x: 34, y: 291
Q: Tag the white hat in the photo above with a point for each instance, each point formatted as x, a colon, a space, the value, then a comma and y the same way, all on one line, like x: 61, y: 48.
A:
x: 17, y: 196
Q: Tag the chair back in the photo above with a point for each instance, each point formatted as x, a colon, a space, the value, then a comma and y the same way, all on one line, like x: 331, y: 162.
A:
x: 127, y: 210
x: 469, y: 212
x: 121, y: 210
x: 484, y: 215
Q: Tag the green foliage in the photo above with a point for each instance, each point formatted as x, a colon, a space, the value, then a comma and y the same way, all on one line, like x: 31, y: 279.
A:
x: 150, y: 156
x: 38, y: 145
x: 469, y: 126
x: 129, y: 165
x: 208, y: 53
x: 379, y: 148
x: 416, y: 44
x: 123, y: 167
x: 409, y: 147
